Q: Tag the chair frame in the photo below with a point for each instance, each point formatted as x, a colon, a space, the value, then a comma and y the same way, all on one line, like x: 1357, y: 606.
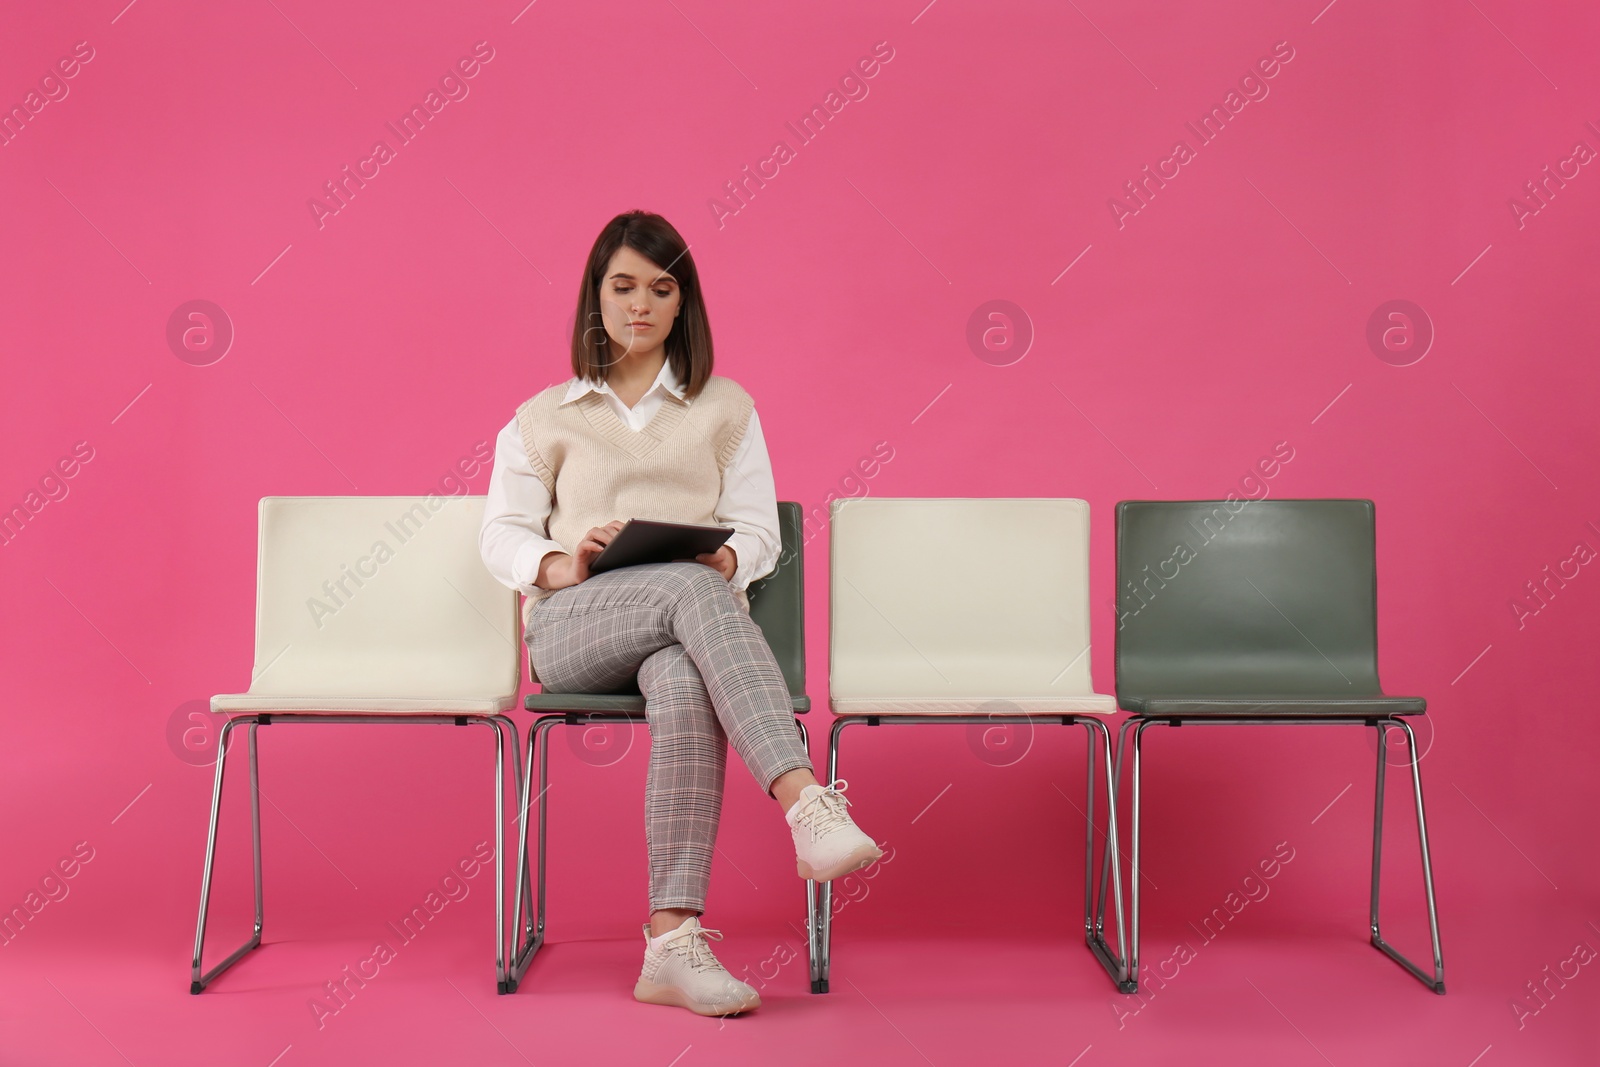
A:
x: 531, y: 931
x: 1383, y: 721
x: 1138, y: 723
x: 820, y: 922
x: 503, y: 728
x: 1096, y: 731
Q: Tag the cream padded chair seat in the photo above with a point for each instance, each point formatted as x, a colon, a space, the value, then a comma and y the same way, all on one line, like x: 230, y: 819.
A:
x: 1088, y: 704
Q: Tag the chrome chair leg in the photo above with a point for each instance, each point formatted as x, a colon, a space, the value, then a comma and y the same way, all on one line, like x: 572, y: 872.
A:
x: 527, y: 940
x: 813, y: 953
x: 1089, y: 924
x: 532, y: 932
x: 1094, y: 929
x: 1379, y: 778
x: 1132, y: 970
x: 1436, y: 981
x: 506, y: 738
x: 524, y: 888
x: 499, y: 855
x: 820, y: 928
x: 197, y: 980
x: 255, y: 824
x: 1105, y: 865
x: 543, y: 798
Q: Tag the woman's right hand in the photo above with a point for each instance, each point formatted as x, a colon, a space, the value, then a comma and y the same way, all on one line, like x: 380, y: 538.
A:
x: 571, y: 569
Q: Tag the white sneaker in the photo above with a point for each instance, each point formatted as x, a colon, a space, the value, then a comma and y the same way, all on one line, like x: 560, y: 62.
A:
x: 681, y: 971
x: 827, y: 843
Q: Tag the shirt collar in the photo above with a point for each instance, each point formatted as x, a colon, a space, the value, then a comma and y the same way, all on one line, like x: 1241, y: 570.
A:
x: 665, y: 379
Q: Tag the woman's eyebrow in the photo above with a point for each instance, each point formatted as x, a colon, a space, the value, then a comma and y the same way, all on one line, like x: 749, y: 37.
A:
x: 659, y: 277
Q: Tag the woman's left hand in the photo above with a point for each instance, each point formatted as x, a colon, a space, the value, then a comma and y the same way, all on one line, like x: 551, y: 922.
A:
x: 723, y: 561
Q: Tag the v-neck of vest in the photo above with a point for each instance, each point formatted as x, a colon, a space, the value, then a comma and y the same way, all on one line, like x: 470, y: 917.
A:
x: 637, y: 443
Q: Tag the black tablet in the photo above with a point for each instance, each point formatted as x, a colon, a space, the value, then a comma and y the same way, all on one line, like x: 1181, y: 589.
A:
x: 652, y: 541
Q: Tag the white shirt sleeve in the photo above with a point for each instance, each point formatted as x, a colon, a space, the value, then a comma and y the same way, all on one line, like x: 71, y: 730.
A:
x: 749, y: 503
x: 514, y: 536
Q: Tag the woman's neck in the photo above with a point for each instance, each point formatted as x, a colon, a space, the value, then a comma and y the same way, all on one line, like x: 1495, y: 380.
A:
x: 629, y: 377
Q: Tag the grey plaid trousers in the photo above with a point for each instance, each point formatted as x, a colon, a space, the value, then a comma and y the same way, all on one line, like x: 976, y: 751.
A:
x: 708, y: 677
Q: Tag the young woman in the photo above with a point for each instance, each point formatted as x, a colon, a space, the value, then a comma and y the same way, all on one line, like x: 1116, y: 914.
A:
x: 643, y: 429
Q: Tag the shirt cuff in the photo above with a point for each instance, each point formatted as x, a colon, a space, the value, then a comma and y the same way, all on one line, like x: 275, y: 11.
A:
x: 525, y: 565
x: 747, y: 553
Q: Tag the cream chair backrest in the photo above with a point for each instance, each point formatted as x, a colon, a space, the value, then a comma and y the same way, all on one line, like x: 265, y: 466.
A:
x: 942, y: 598
x: 380, y: 596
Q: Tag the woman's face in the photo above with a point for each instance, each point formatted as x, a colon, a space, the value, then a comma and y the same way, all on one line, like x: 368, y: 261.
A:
x: 638, y: 304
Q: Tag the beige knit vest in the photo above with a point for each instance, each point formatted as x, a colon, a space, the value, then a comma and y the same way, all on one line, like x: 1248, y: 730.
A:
x: 598, y: 469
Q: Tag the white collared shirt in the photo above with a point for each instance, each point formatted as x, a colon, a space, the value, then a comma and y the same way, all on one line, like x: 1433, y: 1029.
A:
x: 514, y: 537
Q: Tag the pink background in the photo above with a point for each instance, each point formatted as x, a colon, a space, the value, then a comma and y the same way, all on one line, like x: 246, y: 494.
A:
x: 374, y: 352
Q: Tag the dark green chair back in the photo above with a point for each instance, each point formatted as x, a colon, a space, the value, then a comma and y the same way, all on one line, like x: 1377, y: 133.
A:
x: 778, y: 604
x: 1264, y: 606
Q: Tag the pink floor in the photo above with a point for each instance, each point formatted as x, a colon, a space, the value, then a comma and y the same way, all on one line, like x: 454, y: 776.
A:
x: 1308, y: 995
x: 932, y: 964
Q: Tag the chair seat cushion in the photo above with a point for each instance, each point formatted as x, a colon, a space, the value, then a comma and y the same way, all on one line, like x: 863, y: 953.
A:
x: 631, y: 703
x: 621, y: 703
x: 1079, y: 704
x: 1286, y: 706
x: 245, y: 703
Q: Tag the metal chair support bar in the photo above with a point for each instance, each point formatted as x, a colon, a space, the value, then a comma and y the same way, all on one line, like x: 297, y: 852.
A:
x: 529, y: 932
x: 503, y: 728
x: 820, y: 922
x: 1136, y: 726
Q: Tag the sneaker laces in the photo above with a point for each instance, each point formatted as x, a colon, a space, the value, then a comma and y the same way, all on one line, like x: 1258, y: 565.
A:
x: 695, y: 950
x: 825, y: 813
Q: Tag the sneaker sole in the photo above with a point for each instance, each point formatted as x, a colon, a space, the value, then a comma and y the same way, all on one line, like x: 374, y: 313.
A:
x: 854, y: 861
x: 652, y: 993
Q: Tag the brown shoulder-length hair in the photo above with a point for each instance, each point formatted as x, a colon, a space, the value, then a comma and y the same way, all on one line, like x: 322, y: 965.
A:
x: 688, y: 344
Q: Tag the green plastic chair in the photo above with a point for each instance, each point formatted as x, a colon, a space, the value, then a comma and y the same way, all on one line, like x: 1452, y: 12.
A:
x: 777, y: 604
x: 1257, y: 613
